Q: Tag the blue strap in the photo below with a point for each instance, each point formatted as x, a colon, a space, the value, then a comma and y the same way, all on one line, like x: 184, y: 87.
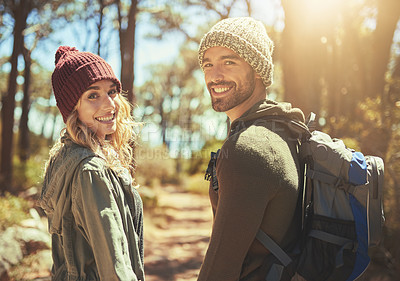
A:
x: 358, y: 169
x: 361, y: 223
x: 274, y: 248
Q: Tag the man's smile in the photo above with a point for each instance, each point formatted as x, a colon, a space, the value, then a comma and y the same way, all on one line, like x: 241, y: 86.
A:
x: 221, y: 89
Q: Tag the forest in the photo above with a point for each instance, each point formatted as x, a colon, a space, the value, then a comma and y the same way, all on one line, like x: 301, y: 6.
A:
x: 337, y: 58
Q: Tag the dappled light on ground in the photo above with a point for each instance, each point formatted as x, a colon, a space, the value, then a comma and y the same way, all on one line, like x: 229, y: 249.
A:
x: 176, y: 235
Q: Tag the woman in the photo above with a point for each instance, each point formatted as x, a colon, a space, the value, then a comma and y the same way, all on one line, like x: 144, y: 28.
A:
x: 94, y: 213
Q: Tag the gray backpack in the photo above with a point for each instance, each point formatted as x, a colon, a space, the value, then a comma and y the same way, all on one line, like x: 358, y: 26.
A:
x: 342, y: 211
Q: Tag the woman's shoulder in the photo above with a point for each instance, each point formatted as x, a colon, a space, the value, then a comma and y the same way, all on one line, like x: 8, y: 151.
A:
x: 77, y: 151
x: 73, y: 154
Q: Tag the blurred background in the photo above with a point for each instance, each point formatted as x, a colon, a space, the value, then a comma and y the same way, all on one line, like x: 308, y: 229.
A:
x: 337, y: 58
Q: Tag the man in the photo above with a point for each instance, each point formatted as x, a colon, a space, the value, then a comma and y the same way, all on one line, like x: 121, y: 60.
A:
x: 255, y: 182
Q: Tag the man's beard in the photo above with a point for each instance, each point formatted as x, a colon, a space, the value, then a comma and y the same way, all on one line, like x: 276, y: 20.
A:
x: 236, y: 97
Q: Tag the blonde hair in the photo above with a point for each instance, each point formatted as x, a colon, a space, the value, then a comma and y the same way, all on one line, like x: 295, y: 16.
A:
x: 117, y: 150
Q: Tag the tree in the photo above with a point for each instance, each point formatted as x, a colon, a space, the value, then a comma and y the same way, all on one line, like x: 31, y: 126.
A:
x: 338, y: 60
x: 306, y: 23
x: 24, y: 143
x: 386, y: 22
x: 392, y: 163
x: 174, y: 100
x: 127, y: 30
x: 19, y: 11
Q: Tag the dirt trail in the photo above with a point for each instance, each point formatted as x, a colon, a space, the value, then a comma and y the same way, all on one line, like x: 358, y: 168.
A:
x: 176, y: 238
x: 176, y: 235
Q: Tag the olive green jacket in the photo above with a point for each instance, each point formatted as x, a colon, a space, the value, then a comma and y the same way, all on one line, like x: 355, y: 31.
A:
x: 258, y: 178
x: 95, y: 218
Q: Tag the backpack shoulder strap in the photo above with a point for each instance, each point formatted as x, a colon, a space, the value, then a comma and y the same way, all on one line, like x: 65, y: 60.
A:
x: 301, y: 130
x: 273, y: 247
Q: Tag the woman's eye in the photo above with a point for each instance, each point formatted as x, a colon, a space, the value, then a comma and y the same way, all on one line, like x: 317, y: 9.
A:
x: 229, y: 62
x: 112, y: 92
x: 207, y: 65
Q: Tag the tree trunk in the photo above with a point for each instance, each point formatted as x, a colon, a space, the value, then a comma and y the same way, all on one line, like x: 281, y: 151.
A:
x: 388, y: 16
x: 348, y: 90
x: 127, y: 46
x: 8, y: 102
x: 100, y: 26
x: 299, y: 62
x: 163, y: 123
x: 50, y: 140
x: 24, y: 140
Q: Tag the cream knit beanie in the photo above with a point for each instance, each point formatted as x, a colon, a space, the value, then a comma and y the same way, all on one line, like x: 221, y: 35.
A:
x: 248, y: 38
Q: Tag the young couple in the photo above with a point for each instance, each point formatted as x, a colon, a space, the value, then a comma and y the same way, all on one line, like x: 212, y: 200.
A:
x: 95, y: 213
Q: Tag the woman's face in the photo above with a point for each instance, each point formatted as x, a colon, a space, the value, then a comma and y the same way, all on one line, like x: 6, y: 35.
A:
x: 97, y: 108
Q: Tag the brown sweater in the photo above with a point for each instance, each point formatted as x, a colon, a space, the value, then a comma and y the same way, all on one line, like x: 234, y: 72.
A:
x: 258, y: 178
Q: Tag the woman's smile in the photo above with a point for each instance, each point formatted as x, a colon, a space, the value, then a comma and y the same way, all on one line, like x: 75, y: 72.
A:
x: 98, y: 108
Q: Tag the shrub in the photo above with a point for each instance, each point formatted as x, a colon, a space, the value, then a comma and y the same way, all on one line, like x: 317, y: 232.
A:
x: 13, y: 210
x: 196, y: 184
x: 28, y: 174
x: 155, y: 166
x: 200, y: 159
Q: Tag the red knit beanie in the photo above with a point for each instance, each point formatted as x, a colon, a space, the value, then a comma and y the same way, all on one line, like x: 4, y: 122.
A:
x: 74, y: 72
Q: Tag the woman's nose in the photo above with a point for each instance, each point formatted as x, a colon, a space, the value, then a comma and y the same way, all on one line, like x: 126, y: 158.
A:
x: 109, y: 102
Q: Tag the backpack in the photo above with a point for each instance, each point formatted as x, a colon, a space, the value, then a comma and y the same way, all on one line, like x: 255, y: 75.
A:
x: 341, y: 207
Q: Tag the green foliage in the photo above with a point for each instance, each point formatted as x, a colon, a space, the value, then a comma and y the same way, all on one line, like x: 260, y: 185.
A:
x: 29, y: 173
x: 352, y: 143
x: 12, y: 210
x: 155, y: 166
x: 200, y: 159
x: 392, y: 197
x: 368, y: 131
x: 3, y: 74
x: 196, y: 184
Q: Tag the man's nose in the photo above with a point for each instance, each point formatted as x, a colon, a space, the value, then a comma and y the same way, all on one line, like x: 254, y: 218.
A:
x: 216, y: 75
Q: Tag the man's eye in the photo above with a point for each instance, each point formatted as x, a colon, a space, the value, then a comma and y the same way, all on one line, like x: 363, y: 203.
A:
x: 229, y: 62
x: 92, y: 96
x: 207, y: 65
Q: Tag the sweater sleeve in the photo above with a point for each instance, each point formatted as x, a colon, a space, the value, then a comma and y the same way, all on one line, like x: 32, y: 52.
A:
x: 250, y: 175
x: 97, y: 214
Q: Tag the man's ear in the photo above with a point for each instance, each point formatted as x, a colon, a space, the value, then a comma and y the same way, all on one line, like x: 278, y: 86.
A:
x: 257, y: 76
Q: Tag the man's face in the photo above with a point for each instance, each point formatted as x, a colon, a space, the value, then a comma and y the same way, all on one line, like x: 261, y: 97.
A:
x: 229, y: 78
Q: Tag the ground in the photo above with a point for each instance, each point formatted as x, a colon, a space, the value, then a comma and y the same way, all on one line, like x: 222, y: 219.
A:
x: 176, y: 240
x: 176, y: 237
